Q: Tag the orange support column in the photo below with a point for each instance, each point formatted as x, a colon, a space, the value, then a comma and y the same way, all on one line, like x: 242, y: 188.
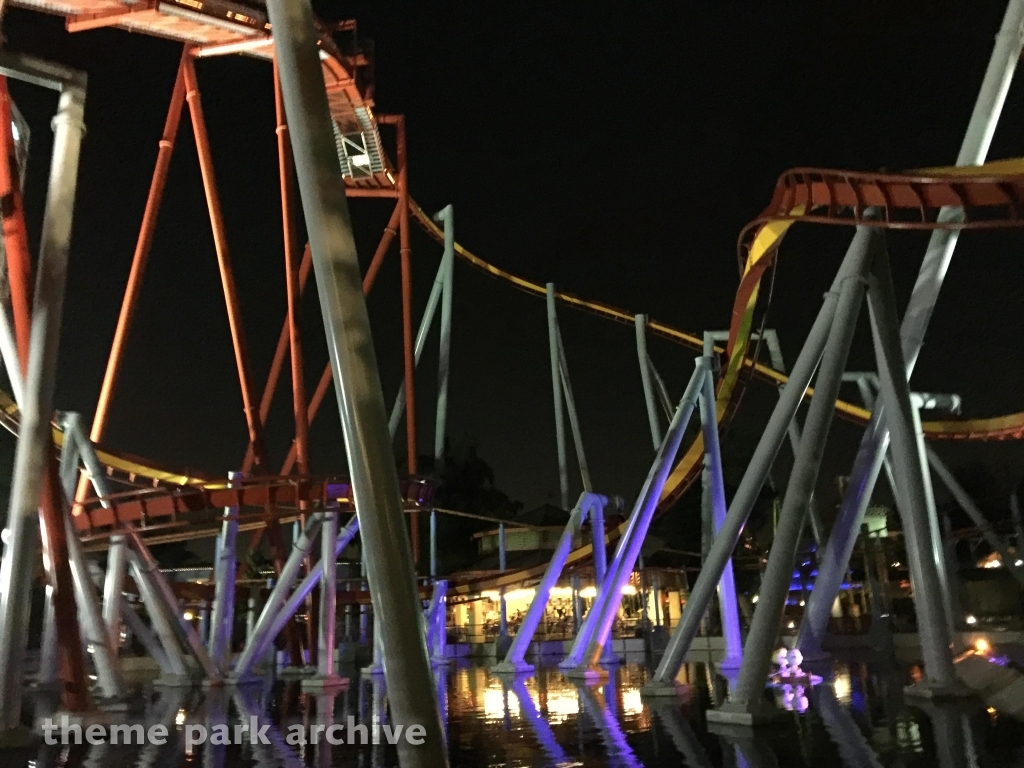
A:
x: 227, y: 277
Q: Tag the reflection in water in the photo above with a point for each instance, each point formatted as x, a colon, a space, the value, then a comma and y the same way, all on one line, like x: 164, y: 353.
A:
x: 858, y: 720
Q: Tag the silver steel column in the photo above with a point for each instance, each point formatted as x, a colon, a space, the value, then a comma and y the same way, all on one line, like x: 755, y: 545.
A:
x: 447, y: 216
x: 502, y: 563
x: 113, y: 588
x: 94, y: 631
x: 554, y: 345
x: 966, y: 503
x: 745, y: 702
x: 262, y: 634
x: 513, y: 662
x: 371, y: 463
x: 715, y: 484
x: 749, y: 489
x: 940, y: 678
x: 224, y: 569
x: 18, y: 565
x: 185, y: 629
x: 149, y: 641
x: 426, y: 321
x: 325, y: 674
x: 833, y: 563
x: 433, y: 543
x: 934, y: 526
x: 160, y: 620
x: 645, y: 376
x: 593, y: 635
x: 49, y: 660
x: 574, y: 422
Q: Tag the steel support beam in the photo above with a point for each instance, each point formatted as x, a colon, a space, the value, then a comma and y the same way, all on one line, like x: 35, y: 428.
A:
x: 514, y: 660
x: 589, y: 645
x: 326, y: 678
x: 750, y: 487
x: 940, y: 677
x: 447, y: 216
x: 745, y: 705
x: 836, y: 556
x: 225, y: 567
x: 554, y: 345
x: 645, y: 376
x: 31, y: 455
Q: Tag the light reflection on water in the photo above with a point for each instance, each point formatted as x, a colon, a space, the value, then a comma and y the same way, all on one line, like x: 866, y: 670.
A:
x: 860, y: 719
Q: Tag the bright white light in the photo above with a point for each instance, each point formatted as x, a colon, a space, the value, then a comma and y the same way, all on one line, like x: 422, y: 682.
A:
x: 15, y: 132
x: 981, y: 645
x: 803, y: 603
x: 1018, y: 563
x: 588, y: 593
x: 5, y: 536
x: 970, y: 619
x: 360, y: 160
x: 561, y: 592
x: 791, y: 625
x: 841, y: 685
x: 188, y: 616
x: 632, y: 704
x: 753, y: 599
x: 180, y: 719
x: 629, y: 589
x: 494, y: 704
x: 993, y: 564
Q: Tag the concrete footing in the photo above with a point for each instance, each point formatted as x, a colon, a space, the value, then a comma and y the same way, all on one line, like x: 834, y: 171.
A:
x: 322, y: 683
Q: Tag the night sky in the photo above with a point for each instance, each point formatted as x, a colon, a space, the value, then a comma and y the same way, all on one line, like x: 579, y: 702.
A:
x: 615, y: 149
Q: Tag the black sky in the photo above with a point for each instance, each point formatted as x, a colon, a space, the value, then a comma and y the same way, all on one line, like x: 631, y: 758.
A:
x: 616, y: 149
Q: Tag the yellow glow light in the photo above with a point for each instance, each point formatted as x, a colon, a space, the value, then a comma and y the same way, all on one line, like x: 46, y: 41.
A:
x: 981, y: 645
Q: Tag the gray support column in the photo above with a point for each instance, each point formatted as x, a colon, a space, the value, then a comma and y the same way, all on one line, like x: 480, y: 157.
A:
x: 966, y: 503
x: 749, y: 489
x: 940, y: 678
x: 556, y: 391
x: 262, y: 634
x: 113, y: 589
x: 94, y: 631
x: 433, y: 543
x: 176, y: 671
x: 89, y: 614
x: 574, y: 422
x: 374, y: 477
x: 146, y: 636
x: 49, y: 663
x: 593, y: 635
x: 600, y: 545
x: 645, y: 376
x: 184, y: 628
x: 656, y: 591
x: 513, y: 662
x: 272, y: 623
x: 447, y: 216
x: 326, y: 678
x: 951, y: 613
x: 715, y: 496
x: 745, y: 702
x: 502, y: 563
x: 224, y: 569
x: 433, y: 300
x: 439, y: 653
x: 18, y: 564
x: 9, y: 350
x: 991, y: 97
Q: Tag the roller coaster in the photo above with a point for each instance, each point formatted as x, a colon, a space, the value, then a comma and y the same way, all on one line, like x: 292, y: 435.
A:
x: 159, y: 504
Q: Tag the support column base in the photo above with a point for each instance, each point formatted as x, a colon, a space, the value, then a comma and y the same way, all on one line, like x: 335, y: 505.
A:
x: 213, y: 682
x: 938, y: 691
x: 243, y: 680
x: 729, y: 667
x: 588, y: 674
x: 441, y: 661
x: 512, y: 668
x: 655, y: 689
x: 169, y: 680
x: 746, y: 715
x: 296, y: 673
x: 373, y: 670
x: 324, y: 683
